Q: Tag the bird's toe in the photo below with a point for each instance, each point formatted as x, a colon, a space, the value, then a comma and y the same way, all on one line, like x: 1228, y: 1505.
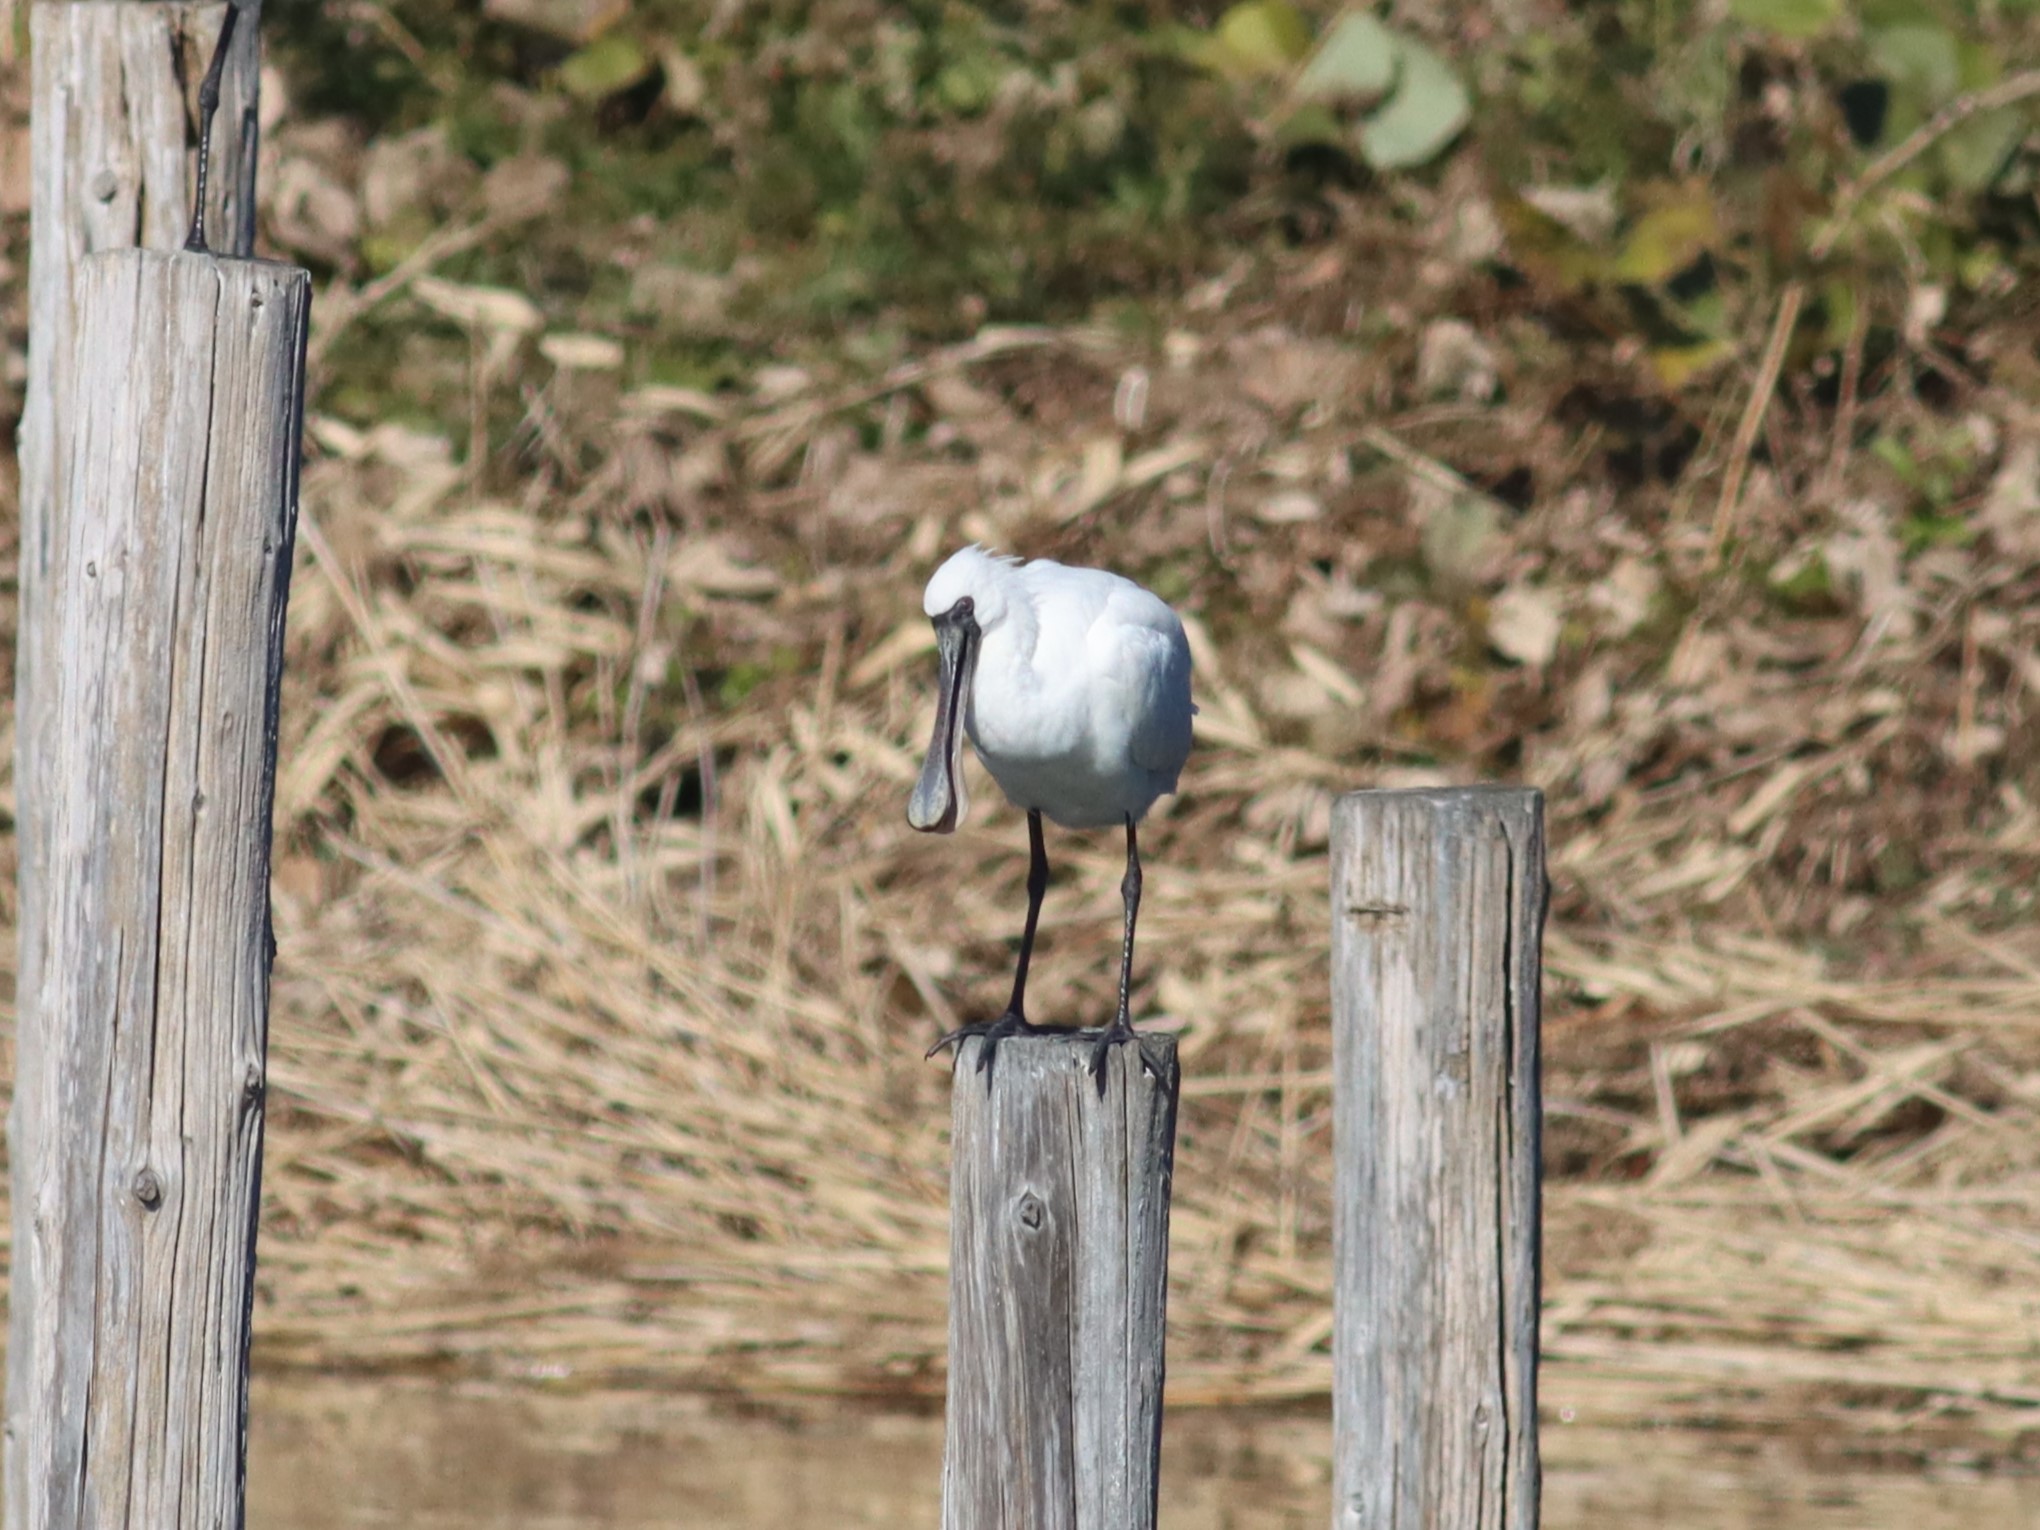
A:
x: 1101, y: 1049
x: 1116, y: 1034
x: 988, y: 1034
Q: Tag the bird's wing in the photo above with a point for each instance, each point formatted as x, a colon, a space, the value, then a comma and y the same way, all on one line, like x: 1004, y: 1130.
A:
x: 1155, y: 666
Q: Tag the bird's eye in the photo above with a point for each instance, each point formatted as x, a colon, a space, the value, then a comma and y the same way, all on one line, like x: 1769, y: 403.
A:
x: 964, y: 607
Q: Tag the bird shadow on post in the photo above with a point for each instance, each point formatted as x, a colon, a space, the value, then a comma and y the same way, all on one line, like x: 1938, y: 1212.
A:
x: 1059, y: 1239
x: 1438, y: 904
x: 177, y: 410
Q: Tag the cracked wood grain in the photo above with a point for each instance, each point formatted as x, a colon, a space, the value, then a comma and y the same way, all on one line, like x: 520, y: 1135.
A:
x: 111, y: 142
x: 1059, y: 1252
x: 140, y: 1080
x: 1438, y: 911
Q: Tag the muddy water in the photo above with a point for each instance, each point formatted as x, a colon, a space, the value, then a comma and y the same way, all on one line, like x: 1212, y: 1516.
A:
x: 349, y: 1456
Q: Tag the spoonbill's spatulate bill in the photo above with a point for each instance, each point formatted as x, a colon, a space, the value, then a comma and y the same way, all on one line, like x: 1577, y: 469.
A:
x: 1074, y: 687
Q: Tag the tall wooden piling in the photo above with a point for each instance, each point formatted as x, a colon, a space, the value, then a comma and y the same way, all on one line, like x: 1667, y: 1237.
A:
x: 1059, y: 1206
x: 111, y: 144
x: 159, y: 506
x: 141, y: 1077
x: 112, y: 141
x: 1438, y: 912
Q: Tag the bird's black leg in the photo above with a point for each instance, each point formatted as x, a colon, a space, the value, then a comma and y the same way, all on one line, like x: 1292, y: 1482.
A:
x: 208, y: 107
x: 1121, y: 1028
x: 1037, y: 889
x: 1014, y: 1021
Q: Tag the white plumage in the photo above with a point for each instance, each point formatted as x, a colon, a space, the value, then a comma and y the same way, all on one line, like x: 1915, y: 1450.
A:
x: 1073, y: 686
x: 1081, y: 704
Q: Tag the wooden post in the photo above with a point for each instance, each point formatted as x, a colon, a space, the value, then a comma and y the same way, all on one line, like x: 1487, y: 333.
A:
x: 111, y: 144
x: 143, y: 1085
x: 111, y: 151
x: 111, y: 141
x: 1437, y: 920
x: 1059, y: 1253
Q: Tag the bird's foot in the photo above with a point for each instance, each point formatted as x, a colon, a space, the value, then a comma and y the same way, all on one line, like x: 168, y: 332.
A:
x: 1120, y: 1030
x: 991, y: 1033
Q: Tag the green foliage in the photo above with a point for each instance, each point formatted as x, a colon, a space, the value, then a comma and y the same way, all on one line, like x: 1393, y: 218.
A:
x: 1254, y: 38
x: 1659, y: 167
x: 1804, y: 584
x: 1364, y: 90
x: 1762, y: 116
x: 604, y: 67
x: 947, y: 161
x: 1427, y: 110
x: 1788, y: 18
x: 1355, y: 63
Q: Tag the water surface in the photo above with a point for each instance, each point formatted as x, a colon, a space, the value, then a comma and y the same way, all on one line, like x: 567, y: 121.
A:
x: 347, y: 1455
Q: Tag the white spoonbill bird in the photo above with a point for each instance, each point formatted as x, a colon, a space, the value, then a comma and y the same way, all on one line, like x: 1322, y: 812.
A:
x: 1074, y: 686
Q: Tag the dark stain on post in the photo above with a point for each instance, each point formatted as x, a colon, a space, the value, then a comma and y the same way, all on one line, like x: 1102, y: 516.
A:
x: 1377, y: 913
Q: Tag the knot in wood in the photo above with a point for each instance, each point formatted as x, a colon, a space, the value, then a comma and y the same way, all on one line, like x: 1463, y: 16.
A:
x: 148, y: 1188
x: 104, y: 185
x: 1032, y: 1212
x: 251, y: 1082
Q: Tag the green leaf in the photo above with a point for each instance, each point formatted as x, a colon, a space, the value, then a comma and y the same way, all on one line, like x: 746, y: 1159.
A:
x: 1428, y: 110
x: 1973, y: 153
x: 1924, y: 62
x: 1978, y: 64
x: 1919, y: 532
x: 1705, y: 315
x: 1804, y: 580
x: 1668, y: 239
x: 1312, y: 125
x: 1838, y: 299
x: 967, y: 85
x: 1787, y: 18
x: 604, y: 67
x: 1677, y: 365
x: 1199, y: 49
x: 1546, y: 250
x: 1979, y: 267
x: 1259, y: 37
x: 1875, y: 14
x: 1354, y: 62
x: 1894, y: 454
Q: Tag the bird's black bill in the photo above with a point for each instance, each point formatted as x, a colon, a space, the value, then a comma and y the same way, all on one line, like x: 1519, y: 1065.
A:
x: 939, y: 802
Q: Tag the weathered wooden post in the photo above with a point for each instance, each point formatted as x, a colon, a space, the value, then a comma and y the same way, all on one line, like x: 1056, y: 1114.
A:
x: 1437, y: 921
x: 1059, y: 1254
x: 173, y: 387
x: 111, y: 146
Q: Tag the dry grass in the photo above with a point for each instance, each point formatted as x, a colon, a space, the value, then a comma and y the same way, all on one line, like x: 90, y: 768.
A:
x: 571, y: 1083
x: 606, y: 958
